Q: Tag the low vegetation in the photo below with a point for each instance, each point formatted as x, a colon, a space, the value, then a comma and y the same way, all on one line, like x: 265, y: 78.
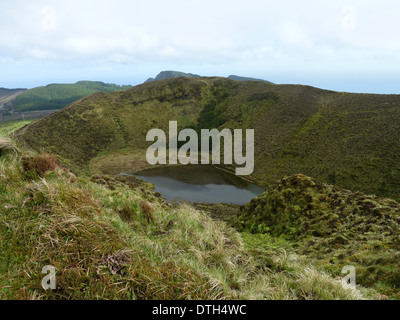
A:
x: 7, y: 146
x: 37, y: 166
x: 8, y: 127
x: 332, y: 227
x: 113, y: 238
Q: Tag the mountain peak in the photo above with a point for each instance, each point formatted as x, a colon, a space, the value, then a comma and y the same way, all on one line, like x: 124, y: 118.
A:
x: 174, y: 74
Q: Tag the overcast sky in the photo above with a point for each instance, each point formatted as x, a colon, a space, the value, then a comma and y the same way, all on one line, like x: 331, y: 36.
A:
x: 341, y: 45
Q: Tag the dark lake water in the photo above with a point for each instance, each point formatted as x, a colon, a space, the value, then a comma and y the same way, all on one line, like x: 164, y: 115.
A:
x: 199, y: 184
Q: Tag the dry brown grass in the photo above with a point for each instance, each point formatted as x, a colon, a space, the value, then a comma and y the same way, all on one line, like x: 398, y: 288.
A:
x: 147, y: 211
x: 7, y: 146
x: 39, y: 164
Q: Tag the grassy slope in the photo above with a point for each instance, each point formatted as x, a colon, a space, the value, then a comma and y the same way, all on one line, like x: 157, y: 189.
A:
x: 9, y: 127
x: 4, y: 92
x: 113, y: 239
x: 109, y: 122
x: 6, y: 95
x: 340, y: 138
x: 292, y: 123
x: 57, y: 96
x: 332, y: 227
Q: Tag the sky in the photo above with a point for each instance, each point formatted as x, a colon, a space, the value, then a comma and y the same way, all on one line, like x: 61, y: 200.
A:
x: 351, y: 46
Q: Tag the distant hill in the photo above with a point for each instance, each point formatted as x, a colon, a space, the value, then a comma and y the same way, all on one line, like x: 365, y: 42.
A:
x: 175, y: 74
x: 57, y: 96
x: 4, y: 92
x: 6, y: 95
x: 171, y: 74
x: 239, y: 78
x: 347, y: 139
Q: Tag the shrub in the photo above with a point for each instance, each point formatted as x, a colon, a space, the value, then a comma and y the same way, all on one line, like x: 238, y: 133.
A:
x: 147, y: 211
x: 39, y: 164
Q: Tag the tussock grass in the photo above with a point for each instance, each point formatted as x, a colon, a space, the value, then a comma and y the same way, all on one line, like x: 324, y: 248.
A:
x: 333, y: 227
x: 115, y: 240
x: 7, y: 146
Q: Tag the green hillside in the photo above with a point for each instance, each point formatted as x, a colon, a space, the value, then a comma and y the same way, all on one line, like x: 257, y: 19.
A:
x: 8, y: 127
x: 4, y: 92
x: 346, y: 139
x: 7, y: 95
x: 57, y: 96
x: 112, y: 238
x: 294, y: 239
x: 332, y: 227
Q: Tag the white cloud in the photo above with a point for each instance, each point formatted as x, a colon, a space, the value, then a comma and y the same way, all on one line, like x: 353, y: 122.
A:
x: 49, y: 20
x: 224, y: 35
x: 349, y: 18
x: 293, y: 33
x: 179, y: 29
